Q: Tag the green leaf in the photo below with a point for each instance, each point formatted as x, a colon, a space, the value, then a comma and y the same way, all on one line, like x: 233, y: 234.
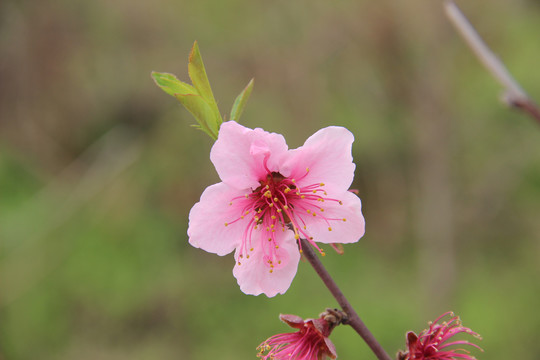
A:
x: 171, y: 85
x: 197, y: 98
x: 241, y: 101
x: 198, y: 76
x: 202, y: 111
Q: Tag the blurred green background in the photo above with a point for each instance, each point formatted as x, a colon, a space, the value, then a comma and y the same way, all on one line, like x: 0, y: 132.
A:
x: 99, y: 169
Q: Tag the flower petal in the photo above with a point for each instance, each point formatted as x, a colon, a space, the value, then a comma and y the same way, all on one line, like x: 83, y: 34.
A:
x: 328, y: 156
x: 254, y: 276
x: 331, y: 348
x: 239, y: 154
x: 207, y: 220
x: 293, y: 321
x: 348, y: 231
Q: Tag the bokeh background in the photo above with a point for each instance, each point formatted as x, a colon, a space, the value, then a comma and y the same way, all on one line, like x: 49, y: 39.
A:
x: 99, y: 169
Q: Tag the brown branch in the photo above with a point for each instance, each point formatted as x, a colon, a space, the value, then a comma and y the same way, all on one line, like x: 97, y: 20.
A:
x: 514, y: 96
x: 353, y: 319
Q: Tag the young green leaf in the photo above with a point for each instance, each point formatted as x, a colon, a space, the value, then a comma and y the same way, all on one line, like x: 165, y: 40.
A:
x: 200, y: 109
x: 197, y: 74
x: 240, y: 102
x: 197, y: 98
x: 171, y: 85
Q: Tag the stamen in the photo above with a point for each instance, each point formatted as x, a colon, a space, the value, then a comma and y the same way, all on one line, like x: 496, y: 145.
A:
x: 282, y: 201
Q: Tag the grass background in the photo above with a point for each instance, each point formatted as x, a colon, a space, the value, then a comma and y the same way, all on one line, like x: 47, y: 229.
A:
x: 99, y: 168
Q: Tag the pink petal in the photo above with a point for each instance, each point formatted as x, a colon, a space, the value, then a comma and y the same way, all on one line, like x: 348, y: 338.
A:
x: 348, y: 231
x: 239, y: 154
x: 331, y: 347
x: 254, y: 276
x: 207, y: 220
x: 293, y: 321
x: 327, y: 154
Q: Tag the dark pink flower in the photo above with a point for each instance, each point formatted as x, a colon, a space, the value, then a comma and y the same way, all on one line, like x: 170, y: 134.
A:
x: 310, y: 342
x: 270, y: 196
x: 435, y: 343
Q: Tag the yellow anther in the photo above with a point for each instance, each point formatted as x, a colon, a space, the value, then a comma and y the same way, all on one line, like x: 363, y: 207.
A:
x: 314, y: 191
x: 314, y: 214
x: 325, y: 193
x: 308, y: 211
x: 230, y: 203
x: 321, y: 184
x: 305, y: 227
x: 341, y: 203
x: 255, y: 227
x: 307, y: 169
x: 278, y: 210
x: 302, y: 197
x: 329, y: 229
x: 226, y: 224
x: 298, y: 193
x: 271, y: 271
x: 279, y: 262
x: 267, y: 228
x: 256, y: 218
x: 293, y: 180
x: 251, y: 249
x: 247, y: 256
x: 323, y: 253
x: 273, y: 217
x: 287, y: 190
x: 344, y: 219
x: 268, y: 194
x: 247, y: 196
x: 296, y: 236
x: 276, y: 199
x: 322, y: 210
x: 247, y: 212
x: 259, y: 211
x: 239, y: 263
x: 272, y: 226
x: 270, y: 239
x: 285, y: 207
x: 277, y: 247
x: 241, y: 217
x: 271, y: 204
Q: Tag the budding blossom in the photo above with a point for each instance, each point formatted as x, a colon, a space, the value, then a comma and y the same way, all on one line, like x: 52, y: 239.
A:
x: 434, y: 343
x: 310, y: 342
x: 270, y: 197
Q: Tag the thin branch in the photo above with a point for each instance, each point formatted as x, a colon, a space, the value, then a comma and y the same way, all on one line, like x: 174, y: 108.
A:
x: 513, y: 95
x: 353, y: 319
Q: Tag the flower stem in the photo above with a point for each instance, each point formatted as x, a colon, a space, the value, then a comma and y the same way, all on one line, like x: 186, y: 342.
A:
x: 353, y: 319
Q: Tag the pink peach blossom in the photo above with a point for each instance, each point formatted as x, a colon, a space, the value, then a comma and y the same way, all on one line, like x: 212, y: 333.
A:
x: 271, y: 196
x: 310, y: 342
x: 435, y: 343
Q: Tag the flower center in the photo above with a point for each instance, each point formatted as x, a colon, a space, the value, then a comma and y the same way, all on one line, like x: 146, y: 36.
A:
x: 277, y: 204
